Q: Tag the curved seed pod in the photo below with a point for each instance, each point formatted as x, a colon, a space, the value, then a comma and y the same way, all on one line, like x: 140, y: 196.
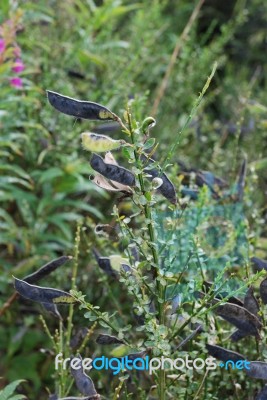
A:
x: 257, y: 369
x: 112, y: 172
x: 53, y: 397
x: 263, y: 291
x: 99, y: 143
x: 84, y: 383
x: 238, y: 335
x: 42, y: 294
x: 258, y: 264
x: 47, y: 269
x: 147, y: 124
x: 105, y: 264
x: 251, y: 303
x: 107, y: 339
x: 166, y: 188
x: 239, y: 317
x: 80, y: 109
x: 223, y: 354
x: 262, y: 395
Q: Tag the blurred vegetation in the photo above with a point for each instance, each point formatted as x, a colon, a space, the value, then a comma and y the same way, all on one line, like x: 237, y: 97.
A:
x: 111, y: 51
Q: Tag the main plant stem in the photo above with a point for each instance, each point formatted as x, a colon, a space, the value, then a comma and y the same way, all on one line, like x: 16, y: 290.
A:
x: 151, y: 232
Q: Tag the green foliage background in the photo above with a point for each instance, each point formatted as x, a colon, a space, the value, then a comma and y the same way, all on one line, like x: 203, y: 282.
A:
x: 109, y: 51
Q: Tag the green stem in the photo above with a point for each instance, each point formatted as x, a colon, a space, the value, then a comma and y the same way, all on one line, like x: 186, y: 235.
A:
x: 151, y: 232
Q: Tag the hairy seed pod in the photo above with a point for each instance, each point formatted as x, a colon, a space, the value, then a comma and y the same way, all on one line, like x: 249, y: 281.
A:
x: 42, y: 294
x: 107, y: 339
x: 47, y: 269
x: 239, y: 317
x: 224, y: 354
x: 166, y: 188
x: 83, y: 382
x: 79, y: 109
x: 99, y: 143
x: 112, y: 172
x: 257, y: 370
x: 263, y: 291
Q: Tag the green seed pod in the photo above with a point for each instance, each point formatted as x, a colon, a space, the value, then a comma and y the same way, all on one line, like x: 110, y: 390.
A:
x: 147, y: 124
x: 99, y: 143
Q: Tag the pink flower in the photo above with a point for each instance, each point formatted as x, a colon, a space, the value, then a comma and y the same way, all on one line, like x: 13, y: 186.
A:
x: 2, y: 46
x: 16, y: 82
x: 18, y: 66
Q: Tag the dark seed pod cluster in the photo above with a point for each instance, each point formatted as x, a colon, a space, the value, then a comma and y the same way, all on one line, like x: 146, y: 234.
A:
x: 79, y: 109
x: 112, y: 171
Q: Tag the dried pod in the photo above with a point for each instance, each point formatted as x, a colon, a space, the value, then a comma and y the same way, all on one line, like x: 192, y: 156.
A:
x: 166, y: 188
x: 258, y: 264
x: 42, y: 294
x: 263, y: 291
x: 104, y: 264
x: 238, y: 335
x: 251, y: 303
x: 223, y: 354
x: 79, y: 109
x: 83, y: 382
x: 110, y: 186
x: 257, y: 370
x: 112, y: 172
x: 239, y: 317
x: 107, y: 339
x: 46, y: 269
x: 99, y: 143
